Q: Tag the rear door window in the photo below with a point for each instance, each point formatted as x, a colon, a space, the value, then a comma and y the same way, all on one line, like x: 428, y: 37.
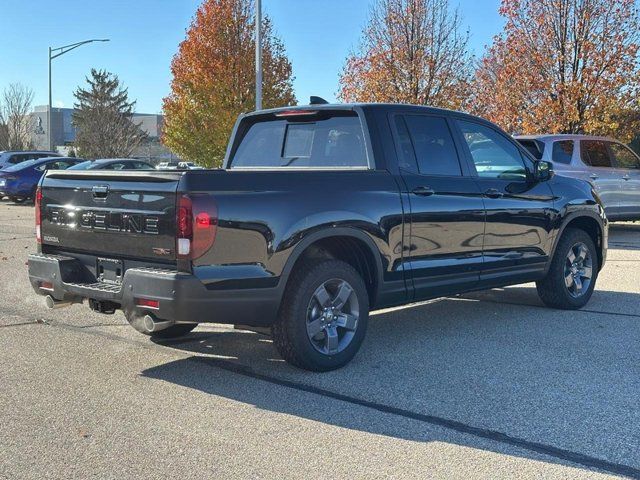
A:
x: 114, y: 166
x: 595, y: 153
x: 142, y: 166
x: 325, y: 141
x: 433, y: 145
x: 60, y: 165
x: 562, y: 151
x: 54, y: 165
x: 624, y: 157
x: 15, y: 159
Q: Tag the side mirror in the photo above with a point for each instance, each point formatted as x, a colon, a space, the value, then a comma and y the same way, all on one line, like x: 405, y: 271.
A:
x: 542, y: 170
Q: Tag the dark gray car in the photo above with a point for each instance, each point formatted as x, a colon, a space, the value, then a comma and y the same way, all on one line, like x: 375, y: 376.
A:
x: 612, y: 167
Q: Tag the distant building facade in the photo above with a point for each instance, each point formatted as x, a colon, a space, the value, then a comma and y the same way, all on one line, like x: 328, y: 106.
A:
x: 64, y: 133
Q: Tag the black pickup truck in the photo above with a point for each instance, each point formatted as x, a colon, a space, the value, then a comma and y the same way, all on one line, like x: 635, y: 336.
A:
x: 320, y: 214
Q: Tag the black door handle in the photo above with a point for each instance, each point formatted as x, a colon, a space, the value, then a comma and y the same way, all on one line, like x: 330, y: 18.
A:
x: 493, y: 193
x: 423, y: 191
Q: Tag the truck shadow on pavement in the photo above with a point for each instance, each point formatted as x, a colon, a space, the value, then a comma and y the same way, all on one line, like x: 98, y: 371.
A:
x: 493, y: 368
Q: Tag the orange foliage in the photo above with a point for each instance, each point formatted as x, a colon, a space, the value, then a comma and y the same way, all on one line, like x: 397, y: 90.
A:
x: 412, y: 51
x: 214, y: 79
x: 562, y: 66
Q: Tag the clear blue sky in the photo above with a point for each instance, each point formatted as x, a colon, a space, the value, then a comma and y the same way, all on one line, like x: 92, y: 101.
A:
x: 145, y: 35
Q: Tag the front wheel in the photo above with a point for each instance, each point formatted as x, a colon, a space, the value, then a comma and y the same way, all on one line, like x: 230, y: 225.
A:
x: 323, y: 318
x: 573, y: 272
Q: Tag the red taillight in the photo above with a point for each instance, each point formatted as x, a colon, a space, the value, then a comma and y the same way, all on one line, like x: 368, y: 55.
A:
x: 203, y: 220
x: 145, y: 302
x: 38, y: 202
x: 196, y: 225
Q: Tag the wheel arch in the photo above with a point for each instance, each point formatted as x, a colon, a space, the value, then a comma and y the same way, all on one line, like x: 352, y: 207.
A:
x: 592, y: 225
x: 347, y: 244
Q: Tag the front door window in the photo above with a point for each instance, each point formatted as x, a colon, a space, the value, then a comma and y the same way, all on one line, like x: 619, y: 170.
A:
x: 493, y: 155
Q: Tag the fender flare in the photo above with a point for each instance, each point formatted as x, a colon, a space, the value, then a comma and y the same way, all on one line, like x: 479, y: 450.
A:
x: 329, y: 232
x: 568, y: 219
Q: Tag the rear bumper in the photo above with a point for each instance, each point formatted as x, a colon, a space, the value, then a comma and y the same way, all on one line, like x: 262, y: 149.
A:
x: 11, y: 189
x: 182, y: 297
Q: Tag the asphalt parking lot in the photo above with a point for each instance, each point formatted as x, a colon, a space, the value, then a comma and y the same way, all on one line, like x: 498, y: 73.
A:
x: 488, y: 385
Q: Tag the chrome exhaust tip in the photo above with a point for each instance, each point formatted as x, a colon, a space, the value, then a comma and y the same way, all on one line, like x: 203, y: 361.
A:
x: 152, y: 324
x: 52, y: 303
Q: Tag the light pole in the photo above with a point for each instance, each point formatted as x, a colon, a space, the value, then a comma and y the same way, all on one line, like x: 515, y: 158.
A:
x: 258, y: 54
x: 56, y: 53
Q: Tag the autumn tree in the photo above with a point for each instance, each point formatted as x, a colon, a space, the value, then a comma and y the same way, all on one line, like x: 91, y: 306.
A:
x: 103, y: 118
x: 15, y: 122
x: 562, y: 66
x: 411, y: 51
x: 214, y: 79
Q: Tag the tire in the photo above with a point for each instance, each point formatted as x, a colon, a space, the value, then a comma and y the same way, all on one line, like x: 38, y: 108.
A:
x: 18, y: 199
x: 328, y: 294
x: 557, y: 289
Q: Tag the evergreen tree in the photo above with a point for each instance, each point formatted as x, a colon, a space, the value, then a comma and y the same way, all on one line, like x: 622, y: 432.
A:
x: 103, y: 118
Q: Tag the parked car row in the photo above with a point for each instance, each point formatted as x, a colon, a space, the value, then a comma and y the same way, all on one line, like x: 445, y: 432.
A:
x: 609, y: 165
x: 10, y: 158
x: 113, y: 164
x: 19, y: 181
x: 20, y: 172
x: 177, y: 165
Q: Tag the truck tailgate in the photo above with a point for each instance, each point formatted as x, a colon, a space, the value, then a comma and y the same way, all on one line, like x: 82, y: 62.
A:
x: 115, y: 214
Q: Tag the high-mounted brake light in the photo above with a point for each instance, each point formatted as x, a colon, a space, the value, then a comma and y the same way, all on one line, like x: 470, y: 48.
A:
x: 196, y: 225
x: 295, y: 113
x: 38, y: 205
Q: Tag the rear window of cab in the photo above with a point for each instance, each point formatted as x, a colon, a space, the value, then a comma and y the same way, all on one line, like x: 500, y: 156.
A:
x: 316, y: 140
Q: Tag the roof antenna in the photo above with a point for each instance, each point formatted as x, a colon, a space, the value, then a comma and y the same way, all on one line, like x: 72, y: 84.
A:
x: 313, y: 100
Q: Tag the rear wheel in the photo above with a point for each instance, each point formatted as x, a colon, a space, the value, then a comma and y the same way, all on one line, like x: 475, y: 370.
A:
x: 323, y: 318
x: 18, y: 199
x: 573, y: 272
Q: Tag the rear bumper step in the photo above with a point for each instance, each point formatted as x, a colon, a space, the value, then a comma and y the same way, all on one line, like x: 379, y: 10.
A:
x: 180, y: 297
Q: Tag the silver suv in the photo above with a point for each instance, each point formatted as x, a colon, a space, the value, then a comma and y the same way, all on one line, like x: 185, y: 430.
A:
x: 612, y: 167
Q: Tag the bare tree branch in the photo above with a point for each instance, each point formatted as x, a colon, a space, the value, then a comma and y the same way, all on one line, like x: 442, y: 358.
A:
x: 15, y: 121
